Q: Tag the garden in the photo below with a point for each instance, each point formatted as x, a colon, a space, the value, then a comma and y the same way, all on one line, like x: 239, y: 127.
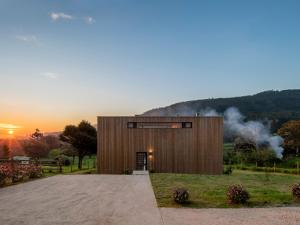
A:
x: 14, y: 172
x: 239, y: 189
x: 11, y: 172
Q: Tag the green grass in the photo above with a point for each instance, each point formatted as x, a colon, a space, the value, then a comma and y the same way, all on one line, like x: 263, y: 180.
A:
x: 228, y: 146
x: 268, y: 169
x: 210, y: 191
x: 88, y: 166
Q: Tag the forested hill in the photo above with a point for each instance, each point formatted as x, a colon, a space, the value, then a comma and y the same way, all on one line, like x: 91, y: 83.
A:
x: 278, y: 106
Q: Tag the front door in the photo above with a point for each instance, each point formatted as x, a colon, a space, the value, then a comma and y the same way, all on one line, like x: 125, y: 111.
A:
x: 141, y: 161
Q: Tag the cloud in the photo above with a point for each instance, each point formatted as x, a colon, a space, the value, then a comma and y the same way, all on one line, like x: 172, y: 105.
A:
x: 9, y: 126
x: 89, y: 20
x: 50, y: 75
x: 57, y: 16
x: 27, y: 38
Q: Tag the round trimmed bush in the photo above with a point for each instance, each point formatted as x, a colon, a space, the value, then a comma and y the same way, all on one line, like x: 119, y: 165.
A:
x: 127, y: 172
x: 181, y: 195
x: 227, y: 170
x: 237, y: 194
x: 296, y: 191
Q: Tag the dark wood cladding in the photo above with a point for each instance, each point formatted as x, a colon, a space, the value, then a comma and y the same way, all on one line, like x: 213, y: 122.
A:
x: 175, y: 150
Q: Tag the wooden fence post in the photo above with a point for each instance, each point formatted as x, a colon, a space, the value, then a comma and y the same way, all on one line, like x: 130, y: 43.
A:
x: 60, y: 163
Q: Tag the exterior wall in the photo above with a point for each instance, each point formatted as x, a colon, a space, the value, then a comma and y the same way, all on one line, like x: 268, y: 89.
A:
x: 180, y: 150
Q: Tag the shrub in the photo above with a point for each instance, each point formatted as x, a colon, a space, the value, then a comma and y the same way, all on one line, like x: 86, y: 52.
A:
x: 64, y: 160
x: 5, y: 173
x: 296, y: 191
x: 237, y: 194
x: 227, y: 170
x: 35, y: 171
x: 181, y: 195
x: 19, y: 172
x: 127, y: 172
x: 54, y: 153
x: 67, y: 161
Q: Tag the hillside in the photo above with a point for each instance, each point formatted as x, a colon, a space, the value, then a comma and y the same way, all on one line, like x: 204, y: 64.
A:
x: 277, y: 106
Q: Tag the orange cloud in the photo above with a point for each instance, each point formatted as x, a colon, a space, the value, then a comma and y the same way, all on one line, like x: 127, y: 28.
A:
x: 7, y: 126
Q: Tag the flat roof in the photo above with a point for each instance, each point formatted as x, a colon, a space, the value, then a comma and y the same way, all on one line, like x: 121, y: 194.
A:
x: 160, y: 116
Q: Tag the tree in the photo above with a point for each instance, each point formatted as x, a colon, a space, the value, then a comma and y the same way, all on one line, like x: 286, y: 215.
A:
x: 290, y: 131
x: 52, y: 141
x: 55, y: 153
x: 68, y: 150
x: 82, y: 137
x: 35, y: 149
x: 37, y: 135
x: 5, y: 149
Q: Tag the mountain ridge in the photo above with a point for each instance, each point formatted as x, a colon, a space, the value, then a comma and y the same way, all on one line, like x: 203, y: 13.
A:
x: 277, y: 106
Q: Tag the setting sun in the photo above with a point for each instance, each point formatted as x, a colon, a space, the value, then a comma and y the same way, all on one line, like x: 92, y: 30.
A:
x: 9, y: 129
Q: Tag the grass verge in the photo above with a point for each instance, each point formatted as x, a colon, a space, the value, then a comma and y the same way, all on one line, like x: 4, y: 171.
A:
x: 209, y: 191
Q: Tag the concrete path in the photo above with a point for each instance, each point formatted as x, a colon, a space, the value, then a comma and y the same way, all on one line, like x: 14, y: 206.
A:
x: 80, y: 200
x: 245, y: 216
x: 116, y: 200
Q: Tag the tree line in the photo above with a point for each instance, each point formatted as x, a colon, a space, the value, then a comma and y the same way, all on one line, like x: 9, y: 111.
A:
x: 80, y: 141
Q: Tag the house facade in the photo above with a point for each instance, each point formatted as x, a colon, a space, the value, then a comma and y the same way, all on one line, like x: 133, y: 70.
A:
x: 161, y: 144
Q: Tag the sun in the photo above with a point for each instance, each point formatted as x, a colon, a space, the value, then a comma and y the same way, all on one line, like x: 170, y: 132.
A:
x: 10, y: 132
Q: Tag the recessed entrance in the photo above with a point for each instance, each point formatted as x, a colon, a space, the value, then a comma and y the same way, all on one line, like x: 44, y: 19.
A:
x: 141, y: 161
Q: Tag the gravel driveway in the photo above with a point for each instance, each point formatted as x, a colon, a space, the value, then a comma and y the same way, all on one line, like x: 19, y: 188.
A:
x: 116, y: 200
x: 80, y: 200
x: 245, y: 216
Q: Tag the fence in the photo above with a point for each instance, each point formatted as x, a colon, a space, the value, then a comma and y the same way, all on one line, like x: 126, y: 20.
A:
x: 273, y: 169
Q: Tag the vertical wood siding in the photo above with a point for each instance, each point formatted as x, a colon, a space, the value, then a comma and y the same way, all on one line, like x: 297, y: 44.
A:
x: 182, y: 150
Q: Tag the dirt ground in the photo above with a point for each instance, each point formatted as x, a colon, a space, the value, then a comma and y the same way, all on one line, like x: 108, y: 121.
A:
x: 116, y: 200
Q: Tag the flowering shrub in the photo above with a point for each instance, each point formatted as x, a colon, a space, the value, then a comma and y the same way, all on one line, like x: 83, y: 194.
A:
x: 181, y: 195
x: 237, y: 194
x: 296, y: 191
x: 35, y: 171
x: 5, y: 173
x: 19, y: 172
x: 5, y: 170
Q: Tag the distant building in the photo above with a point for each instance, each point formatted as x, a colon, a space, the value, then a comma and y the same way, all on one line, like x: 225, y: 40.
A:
x: 22, y: 159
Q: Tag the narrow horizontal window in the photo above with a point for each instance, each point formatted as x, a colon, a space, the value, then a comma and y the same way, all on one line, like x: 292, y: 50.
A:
x: 131, y: 125
x: 159, y: 125
x: 187, y: 125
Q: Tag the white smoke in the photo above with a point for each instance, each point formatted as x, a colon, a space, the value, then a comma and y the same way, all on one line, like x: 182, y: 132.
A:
x: 208, y: 112
x: 236, y: 126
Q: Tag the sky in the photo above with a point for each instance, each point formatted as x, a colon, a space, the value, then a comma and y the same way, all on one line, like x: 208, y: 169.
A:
x: 64, y: 61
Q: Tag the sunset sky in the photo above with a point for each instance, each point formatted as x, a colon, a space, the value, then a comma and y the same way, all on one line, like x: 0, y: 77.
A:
x: 64, y: 61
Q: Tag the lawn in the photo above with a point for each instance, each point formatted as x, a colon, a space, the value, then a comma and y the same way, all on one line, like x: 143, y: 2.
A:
x: 88, y: 166
x: 207, y: 191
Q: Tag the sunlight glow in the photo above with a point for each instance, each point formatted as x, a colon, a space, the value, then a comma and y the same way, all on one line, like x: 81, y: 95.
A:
x: 8, y: 126
x: 8, y: 129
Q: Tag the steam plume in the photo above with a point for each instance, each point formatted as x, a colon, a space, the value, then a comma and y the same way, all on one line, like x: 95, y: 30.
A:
x: 236, y: 126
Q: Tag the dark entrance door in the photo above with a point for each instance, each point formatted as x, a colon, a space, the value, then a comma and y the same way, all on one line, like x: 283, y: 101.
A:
x: 141, y: 161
